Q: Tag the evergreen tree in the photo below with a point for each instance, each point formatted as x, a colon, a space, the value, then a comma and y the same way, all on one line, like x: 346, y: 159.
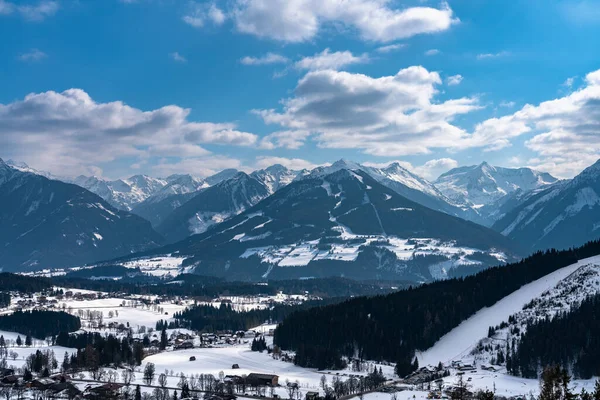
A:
x: 19, y: 340
x: 28, y: 341
x: 163, y: 339
x: 596, y: 394
x: 175, y: 395
x: 138, y: 393
x: 27, y: 376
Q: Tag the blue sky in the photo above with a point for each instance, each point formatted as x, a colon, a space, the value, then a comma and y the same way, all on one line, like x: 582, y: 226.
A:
x: 116, y: 88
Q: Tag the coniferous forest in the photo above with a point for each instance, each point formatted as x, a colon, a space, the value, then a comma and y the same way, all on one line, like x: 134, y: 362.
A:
x: 40, y: 324
x: 393, y: 326
x: 569, y: 339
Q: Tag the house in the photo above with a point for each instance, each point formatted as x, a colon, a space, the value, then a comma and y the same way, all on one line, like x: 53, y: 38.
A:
x: 193, y: 358
x: 102, y: 392
x: 10, y: 379
x: 235, y: 366
x: 6, y: 372
x: 311, y: 396
x: 42, y: 383
x: 262, y: 379
x: 64, y: 389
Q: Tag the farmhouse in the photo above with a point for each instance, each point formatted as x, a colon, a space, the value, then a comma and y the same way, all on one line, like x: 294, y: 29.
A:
x: 262, y: 379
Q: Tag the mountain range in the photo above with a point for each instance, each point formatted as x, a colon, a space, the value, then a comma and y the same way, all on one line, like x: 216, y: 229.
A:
x: 339, y: 222
x: 47, y: 223
x: 532, y: 209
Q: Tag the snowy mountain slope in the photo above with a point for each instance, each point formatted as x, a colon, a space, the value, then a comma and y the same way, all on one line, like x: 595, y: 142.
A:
x: 344, y: 223
x: 403, y: 182
x: 566, y: 294
x: 459, y: 343
x: 478, y: 185
x: 48, y: 223
x: 563, y: 215
x: 213, y: 205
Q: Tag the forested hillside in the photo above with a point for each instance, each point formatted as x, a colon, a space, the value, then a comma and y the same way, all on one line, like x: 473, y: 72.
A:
x: 569, y: 339
x: 392, y: 327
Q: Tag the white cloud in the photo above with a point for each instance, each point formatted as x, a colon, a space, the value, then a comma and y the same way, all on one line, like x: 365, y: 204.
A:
x: 564, y: 131
x: 200, y: 13
x: 177, y: 57
x: 68, y: 133
x: 269, y: 58
x: 301, y: 20
x: 454, y: 80
x: 434, y: 168
x: 292, y: 139
x: 486, y: 56
x: 33, y: 55
x: 291, y: 163
x: 432, y: 52
x: 387, y: 116
x: 216, y: 15
x: 328, y: 60
x: 390, y: 48
x: 32, y: 12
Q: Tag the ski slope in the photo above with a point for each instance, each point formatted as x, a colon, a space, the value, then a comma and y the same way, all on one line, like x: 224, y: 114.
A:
x: 459, y: 342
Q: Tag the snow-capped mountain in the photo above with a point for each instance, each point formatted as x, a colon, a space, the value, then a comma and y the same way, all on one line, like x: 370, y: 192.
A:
x: 479, y: 185
x: 122, y: 193
x: 563, y: 215
x: 343, y: 223
x: 405, y: 183
x: 213, y: 205
x: 275, y: 177
x: 23, y: 167
x: 47, y: 223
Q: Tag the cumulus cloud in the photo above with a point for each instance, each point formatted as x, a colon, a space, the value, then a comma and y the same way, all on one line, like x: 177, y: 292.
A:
x: 68, y: 132
x: 564, y: 131
x: 269, y: 58
x: 291, y: 163
x: 328, y: 60
x: 387, y: 116
x: 301, y: 20
x: 201, y: 13
x: 177, y: 57
x: 292, y: 139
x: 33, y: 55
x: 454, y: 80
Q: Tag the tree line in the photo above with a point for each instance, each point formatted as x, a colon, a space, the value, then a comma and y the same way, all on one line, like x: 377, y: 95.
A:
x: 392, y: 327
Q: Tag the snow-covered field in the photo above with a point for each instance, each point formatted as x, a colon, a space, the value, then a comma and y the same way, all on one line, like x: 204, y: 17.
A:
x: 300, y: 254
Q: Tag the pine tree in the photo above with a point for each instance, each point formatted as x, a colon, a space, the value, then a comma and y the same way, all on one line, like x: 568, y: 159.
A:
x: 138, y: 393
x: 596, y: 394
x: 163, y: 339
x: 175, y: 395
x: 28, y: 341
x: 27, y: 376
x: 19, y: 341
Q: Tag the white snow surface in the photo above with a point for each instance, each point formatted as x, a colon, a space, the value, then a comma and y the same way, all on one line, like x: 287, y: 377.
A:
x: 459, y: 342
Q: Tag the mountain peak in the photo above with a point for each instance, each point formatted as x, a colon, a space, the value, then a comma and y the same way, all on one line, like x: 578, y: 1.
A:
x: 344, y: 163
